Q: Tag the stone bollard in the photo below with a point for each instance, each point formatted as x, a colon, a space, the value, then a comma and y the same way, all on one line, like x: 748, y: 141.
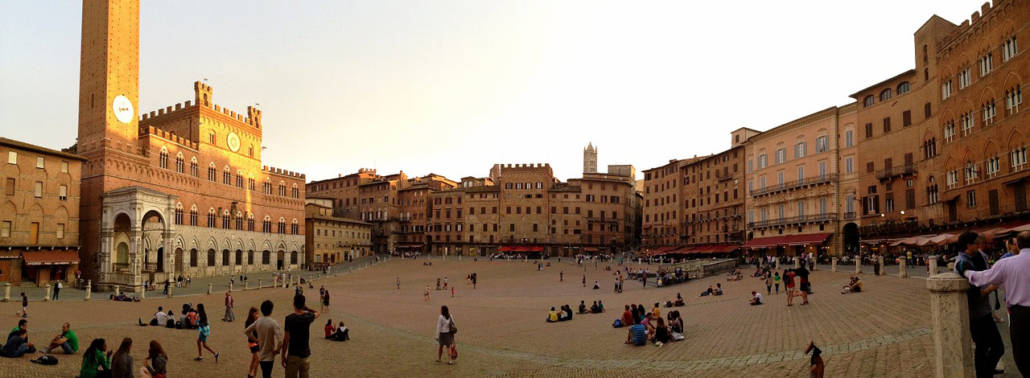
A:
x: 246, y: 285
x: 902, y: 269
x: 89, y: 289
x: 7, y: 292
x: 949, y: 314
x: 858, y: 265
x: 833, y: 264
x: 46, y: 293
x: 259, y: 284
x: 141, y: 292
x: 117, y: 290
x: 210, y: 288
x: 932, y: 260
x: 879, y: 260
x: 230, y: 286
x: 797, y: 263
x: 171, y: 285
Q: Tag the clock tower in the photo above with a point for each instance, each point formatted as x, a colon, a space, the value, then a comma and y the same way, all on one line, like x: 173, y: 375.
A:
x: 109, y: 77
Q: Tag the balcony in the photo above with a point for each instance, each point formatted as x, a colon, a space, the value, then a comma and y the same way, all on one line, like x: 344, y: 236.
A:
x: 850, y: 215
x: 791, y: 221
x: 798, y: 184
x: 898, y: 171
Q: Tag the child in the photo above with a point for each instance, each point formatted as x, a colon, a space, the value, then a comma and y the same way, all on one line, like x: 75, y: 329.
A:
x: 427, y: 293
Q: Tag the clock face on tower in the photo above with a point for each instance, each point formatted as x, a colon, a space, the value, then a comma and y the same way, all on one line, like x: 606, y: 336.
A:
x: 122, y: 109
x: 233, y: 141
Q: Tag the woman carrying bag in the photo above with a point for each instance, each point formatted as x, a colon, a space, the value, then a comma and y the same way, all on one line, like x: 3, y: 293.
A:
x: 445, y: 330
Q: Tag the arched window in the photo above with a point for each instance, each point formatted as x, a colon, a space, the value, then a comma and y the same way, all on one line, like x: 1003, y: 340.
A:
x: 294, y: 227
x: 282, y: 188
x: 903, y: 88
x: 210, y: 257
x: 180, y: 164
x: 885, y: 95
x: 868, y: 101
x: 193, y: 215
x: 193, y: 258
x: 226, y: 176
x: 250, y: 222
x: 282, y: 226
x: 266, y: 224
x: 178, y: 213
x: 250, y: 183
x: 239, y: 220
x: 295, y: 191
x: 212, y: 173
x: 163, y: 158
x: 225, y: 219
x: 193, y: 166
x: 239, y: 178
x: 211, y: 217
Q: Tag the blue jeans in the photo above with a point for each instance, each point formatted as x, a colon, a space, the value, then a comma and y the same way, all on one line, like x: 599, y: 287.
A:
x: 67, y: 348
x: 22, y: 349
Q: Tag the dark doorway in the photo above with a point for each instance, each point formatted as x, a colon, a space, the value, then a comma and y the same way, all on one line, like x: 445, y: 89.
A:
x: 850, y: 239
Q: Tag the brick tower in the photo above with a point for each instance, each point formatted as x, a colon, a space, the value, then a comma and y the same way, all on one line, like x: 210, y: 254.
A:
x: 590, y: 159
x: 108, y: 107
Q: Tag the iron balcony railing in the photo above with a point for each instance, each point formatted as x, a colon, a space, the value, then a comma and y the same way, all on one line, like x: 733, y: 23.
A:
x: 817, y: 218
x: 811, y: 181
x: 898, y: 171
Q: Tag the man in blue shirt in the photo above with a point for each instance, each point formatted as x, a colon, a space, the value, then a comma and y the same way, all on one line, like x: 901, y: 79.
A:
x: 637, y: 335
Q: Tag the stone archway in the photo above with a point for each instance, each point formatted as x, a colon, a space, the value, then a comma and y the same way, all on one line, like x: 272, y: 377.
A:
x: 850, y: 239
x: 280, y: 260
x: 178, y: 260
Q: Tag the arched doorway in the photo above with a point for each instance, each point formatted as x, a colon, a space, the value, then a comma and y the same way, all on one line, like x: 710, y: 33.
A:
x: 153, y: 227
x: 178, y: 260
x: 850, y: 240
x: 161, y: 259
x: 281, y: 255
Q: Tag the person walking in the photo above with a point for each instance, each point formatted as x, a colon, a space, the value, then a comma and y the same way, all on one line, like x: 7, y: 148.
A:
x: 156, y: 363
x: 229, y: 304
x: 445, y: 331
x: 295, y: 350
x: 989, y: 346
x: 776, y: 282
x: 325, y: 299
x: 1012, y: 273
x: 121, y: 363
x: 398, y: 282
x: 24, y: 313
x: 269, y: 338
x: 768, y: 284
x: 203, y: 331
x: 57, y: 290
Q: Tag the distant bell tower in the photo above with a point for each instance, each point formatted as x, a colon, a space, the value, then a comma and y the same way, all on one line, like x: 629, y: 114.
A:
x: 590, y: 159
x: 109, y: 76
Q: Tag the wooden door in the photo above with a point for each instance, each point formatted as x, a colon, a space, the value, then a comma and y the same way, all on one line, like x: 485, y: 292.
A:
x: 34, y: 233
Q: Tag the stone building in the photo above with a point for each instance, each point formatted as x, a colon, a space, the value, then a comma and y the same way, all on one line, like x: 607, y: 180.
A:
x: 713, y: 200
x: 662, y: 206
x: 793, y: 183
x: 181, y: 190
x: 39, y: 218
x: 330, y: 239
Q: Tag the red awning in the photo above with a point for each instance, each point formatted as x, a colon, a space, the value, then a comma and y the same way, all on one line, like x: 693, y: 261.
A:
x: 51, y: 258
x: 590, y: 249
x: 788, y: 240
x: 520, y: 248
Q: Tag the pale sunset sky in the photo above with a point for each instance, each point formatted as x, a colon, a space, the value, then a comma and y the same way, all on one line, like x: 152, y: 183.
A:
x: 451, y: 87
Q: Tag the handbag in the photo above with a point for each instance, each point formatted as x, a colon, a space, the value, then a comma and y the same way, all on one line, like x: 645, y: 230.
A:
x: 454, y: 329
x: 454, y: 352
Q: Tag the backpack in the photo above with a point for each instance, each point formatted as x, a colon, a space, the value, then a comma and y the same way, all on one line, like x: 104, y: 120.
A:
x: 46, y: 360
x: 617, y: 324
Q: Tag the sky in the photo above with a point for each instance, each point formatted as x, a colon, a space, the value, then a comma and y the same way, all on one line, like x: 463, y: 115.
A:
x: 452, y: 87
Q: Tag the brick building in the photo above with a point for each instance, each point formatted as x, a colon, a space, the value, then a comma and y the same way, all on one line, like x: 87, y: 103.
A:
x: 330, y: 239
x: 713, y: 200
x: 181, y: 190
x: 897, y: 145
x: 39, y: 218
x: 662, y: 195
x: 981, y: 173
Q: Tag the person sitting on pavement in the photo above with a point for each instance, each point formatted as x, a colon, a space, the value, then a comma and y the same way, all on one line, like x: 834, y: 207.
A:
x: 594, y: 309
x: 67, y: 341
x: 596, y: 286
x: 718, y: 289
x: 17, y: 344
x: 329, y: 329
x: 170, y: 323
x: 636, y: 335
x: 707, y: 292
x: 675, y: 322
x: 582, y: 307
x: 679, y: 301
x: 661, y: 333
x: 160, y: 317
x: 756, y: 298
x: 568, y: 312
x: 627, y: 316
x: 853, y: 286
x: 600, y: 306
x: 342, y: 333
x: 552, y: 316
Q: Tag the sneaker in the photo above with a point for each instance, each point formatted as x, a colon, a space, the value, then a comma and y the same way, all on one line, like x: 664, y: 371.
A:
x: 216, y: 357
x: 198, y: 358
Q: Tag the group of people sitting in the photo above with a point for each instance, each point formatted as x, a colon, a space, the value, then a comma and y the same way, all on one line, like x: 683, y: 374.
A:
x: 649, y: 326
x: 336, y: 333
x: 666, y: 278
x: 121, y: 297
x: 717, y: 290
x: 854, y: 285
x: 678, y: 303
x: 18, y: 344
x: 564, y: 314
x: 735, y: 275
x: 595, y: 308
x: 189, y: 318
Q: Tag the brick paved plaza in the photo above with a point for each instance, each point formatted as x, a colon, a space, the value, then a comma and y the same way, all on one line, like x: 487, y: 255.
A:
x: 881, y: 332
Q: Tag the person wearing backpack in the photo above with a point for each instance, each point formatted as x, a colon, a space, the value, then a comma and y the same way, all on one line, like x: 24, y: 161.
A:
x: 445, y: 330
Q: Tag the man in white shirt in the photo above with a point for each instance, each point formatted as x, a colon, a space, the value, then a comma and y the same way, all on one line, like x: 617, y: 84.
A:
x: 756, y: 298
x: 161, y: 316
x: 1013, y: 274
